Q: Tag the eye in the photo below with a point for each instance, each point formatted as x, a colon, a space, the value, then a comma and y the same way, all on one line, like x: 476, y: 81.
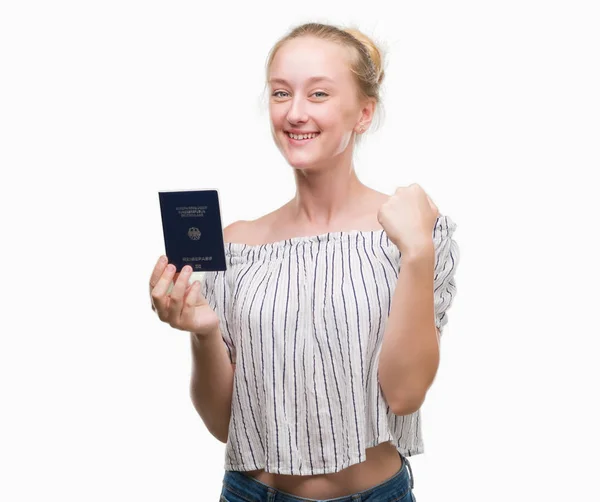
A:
x: 275, y: 94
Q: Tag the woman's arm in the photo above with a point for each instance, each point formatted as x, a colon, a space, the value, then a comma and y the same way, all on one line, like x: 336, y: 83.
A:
x: 409, y: 356
x: 211, y: 385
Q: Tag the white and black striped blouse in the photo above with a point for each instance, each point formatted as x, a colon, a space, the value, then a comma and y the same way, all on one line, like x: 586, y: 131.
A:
x: 303, y: 319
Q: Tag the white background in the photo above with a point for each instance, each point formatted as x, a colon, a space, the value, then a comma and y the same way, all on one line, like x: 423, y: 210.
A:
x: 492, y: 107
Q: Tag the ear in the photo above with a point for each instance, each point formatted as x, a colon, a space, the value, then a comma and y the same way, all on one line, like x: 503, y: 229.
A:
x: 367, y: 111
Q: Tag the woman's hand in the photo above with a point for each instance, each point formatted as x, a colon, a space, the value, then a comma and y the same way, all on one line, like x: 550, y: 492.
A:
x: 185, y: 308
x: 408, y: 218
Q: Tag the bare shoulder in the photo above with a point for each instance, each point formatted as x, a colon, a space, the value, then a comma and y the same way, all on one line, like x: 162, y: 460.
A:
x: 250, y: 232
x: 236, y: 231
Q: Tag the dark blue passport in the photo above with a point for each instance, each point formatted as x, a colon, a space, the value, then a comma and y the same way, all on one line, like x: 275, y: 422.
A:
x: 191, y: 221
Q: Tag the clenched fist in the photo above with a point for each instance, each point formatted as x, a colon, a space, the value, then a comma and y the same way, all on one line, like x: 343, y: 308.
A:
x: 408, y: 217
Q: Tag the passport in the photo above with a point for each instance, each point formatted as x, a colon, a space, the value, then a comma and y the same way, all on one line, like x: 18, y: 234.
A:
x: 192, y: 230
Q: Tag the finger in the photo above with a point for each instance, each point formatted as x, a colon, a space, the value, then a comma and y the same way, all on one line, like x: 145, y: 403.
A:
x: 176, y: 301
x: 158, y: 270
x: 189, y: 291
x: 159, y: 295
x: 192, y: 297
x: 190, y: 302
x: 196, y: 277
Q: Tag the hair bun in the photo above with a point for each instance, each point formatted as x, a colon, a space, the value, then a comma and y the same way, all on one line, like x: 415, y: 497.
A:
x: 372, y: 50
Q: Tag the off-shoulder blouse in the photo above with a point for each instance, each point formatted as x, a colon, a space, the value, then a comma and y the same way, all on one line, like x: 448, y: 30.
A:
x: 303, y: 319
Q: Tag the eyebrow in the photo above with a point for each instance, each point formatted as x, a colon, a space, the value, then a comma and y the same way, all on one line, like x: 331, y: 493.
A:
x: 311, y: 79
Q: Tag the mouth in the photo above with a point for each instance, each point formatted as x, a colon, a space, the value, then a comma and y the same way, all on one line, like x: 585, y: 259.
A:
x: 302, y: 139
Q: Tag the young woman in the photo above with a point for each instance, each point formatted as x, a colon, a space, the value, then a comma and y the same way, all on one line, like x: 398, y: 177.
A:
x: 313, y: 351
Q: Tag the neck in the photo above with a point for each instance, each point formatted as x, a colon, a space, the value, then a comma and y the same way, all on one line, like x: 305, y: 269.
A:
x: 326, y: 198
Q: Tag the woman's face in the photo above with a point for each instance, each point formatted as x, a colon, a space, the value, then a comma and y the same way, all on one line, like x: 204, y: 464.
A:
x: 299, y: 102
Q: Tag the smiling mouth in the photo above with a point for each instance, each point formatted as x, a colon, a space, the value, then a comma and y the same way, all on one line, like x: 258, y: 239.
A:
x: 301, y: 138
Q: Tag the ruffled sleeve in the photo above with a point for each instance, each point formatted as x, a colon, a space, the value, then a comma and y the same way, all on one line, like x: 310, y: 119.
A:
x: 217, y: 293
x: 446, y: 261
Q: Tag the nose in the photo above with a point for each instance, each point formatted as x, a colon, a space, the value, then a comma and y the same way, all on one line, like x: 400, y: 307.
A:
x: 297, y: 113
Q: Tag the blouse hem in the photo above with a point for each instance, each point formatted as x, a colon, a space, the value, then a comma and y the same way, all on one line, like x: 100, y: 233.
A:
x: 407, y: 452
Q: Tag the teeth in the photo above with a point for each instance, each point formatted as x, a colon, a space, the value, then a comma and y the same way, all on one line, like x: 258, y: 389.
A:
x: 302, y: 136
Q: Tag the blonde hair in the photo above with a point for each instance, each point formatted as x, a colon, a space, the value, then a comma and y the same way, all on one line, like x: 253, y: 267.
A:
x: 366, y: 58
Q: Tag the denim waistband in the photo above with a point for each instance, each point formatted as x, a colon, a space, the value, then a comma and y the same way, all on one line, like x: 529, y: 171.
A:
x: 249, y: 488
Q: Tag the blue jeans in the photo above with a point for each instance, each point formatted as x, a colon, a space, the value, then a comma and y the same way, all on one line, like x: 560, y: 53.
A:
x: 239, y: 487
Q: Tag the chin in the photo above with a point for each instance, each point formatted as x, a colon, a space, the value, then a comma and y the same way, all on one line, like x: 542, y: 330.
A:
x: 300, y: 165
x: 308, y: 165
x: 298, y: 161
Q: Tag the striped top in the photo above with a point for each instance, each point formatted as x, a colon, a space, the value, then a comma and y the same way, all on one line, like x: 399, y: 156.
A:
x: 304, y: 319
